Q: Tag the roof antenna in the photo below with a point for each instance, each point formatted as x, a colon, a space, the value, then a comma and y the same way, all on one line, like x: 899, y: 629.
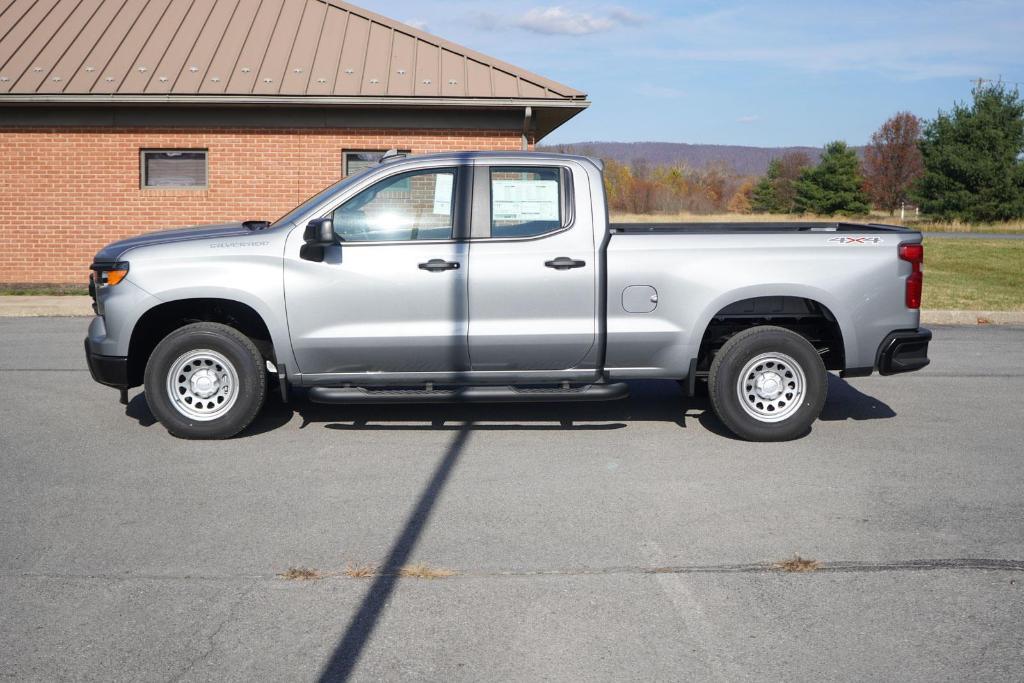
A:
x: 391, y: 154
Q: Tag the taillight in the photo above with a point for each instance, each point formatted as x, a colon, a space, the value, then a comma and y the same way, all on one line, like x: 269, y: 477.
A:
x: 914, y: 253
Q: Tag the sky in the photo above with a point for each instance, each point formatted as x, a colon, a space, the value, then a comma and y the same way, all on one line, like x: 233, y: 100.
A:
x: 746, y: 73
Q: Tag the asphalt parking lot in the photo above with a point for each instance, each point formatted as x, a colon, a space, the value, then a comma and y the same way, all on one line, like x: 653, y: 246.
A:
x: 607, y: 541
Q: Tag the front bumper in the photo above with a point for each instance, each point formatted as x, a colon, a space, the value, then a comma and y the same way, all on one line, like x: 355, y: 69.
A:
x: 903, y: 351
x: 109, y: 370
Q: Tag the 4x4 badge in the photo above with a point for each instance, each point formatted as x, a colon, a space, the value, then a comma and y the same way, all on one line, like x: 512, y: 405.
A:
x: 857, y: 240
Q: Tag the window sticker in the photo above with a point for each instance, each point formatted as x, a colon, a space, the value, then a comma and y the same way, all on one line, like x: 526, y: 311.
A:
x: 524, y: 200
x: 443, y: 194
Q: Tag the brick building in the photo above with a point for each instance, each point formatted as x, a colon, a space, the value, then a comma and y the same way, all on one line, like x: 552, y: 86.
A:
x: 121, y: 117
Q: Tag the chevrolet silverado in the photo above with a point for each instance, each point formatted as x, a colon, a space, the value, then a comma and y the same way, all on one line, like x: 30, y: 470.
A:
x: 497, y: 277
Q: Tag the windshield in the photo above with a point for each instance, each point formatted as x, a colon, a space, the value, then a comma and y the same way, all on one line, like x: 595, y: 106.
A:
x: 319, y: 197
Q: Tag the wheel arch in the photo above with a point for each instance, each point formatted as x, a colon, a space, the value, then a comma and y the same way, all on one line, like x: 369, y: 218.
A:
x: 160, y: 320
x: 810, y: 312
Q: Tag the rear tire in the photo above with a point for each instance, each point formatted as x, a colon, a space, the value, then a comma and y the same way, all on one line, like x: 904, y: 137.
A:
x: 205, y: 381
x: 768, y: 384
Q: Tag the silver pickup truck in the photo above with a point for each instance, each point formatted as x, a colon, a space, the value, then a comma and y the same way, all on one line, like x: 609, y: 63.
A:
x: 497, y: 277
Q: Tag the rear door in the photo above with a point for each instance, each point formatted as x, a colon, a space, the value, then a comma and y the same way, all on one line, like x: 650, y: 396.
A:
x: 532, y: 285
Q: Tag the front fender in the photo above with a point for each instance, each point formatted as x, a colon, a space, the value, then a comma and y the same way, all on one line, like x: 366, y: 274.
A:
x: 249, y: 271
x: 123, y: 306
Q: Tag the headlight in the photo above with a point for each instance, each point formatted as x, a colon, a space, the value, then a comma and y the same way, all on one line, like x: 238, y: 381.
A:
x: 109, y: 274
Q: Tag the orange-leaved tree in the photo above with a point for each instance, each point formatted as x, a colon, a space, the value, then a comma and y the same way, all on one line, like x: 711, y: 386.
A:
x: 892, y: 161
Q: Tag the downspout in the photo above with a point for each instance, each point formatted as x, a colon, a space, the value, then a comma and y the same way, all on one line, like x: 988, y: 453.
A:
x: 527, y: 125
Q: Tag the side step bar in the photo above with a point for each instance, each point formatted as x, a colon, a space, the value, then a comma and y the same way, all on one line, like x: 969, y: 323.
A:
x: 474, y: 394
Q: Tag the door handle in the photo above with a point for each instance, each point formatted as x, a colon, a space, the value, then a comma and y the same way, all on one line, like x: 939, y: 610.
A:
x: 436, y: 265
x: 564, y: 263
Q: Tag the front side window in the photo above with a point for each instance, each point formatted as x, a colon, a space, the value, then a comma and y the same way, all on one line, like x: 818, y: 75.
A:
x: 174, y: 168
x: 525, y: 202
x: 409, y: 206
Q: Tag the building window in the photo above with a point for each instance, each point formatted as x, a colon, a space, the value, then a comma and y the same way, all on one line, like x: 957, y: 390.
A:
x: 357, y: 161
x: 174, y: 168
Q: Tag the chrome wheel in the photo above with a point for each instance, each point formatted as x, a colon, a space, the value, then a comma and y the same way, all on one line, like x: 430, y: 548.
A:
x: 202, y: 385
x: 771, y: 387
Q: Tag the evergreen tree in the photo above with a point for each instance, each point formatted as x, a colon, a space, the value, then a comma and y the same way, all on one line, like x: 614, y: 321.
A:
x: 776, y: 191
x: 764, y: 198
x: 972, y: 159
x: 834, y: 186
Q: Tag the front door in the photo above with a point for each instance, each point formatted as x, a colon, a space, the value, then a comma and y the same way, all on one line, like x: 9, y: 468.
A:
x: 392, y: 298
x: 532, y: 287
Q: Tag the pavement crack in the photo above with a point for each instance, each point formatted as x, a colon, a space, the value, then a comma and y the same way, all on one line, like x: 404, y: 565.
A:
x: 211, y: 640
x: 825, y: 567
x: 121, y: 576
x: 986, y: 564
x: 770, y: 567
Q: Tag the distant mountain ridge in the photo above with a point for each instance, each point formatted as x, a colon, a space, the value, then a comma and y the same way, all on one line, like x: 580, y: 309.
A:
x: 742, y: 160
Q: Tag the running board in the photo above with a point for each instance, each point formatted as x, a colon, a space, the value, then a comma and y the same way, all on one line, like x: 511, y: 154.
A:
x: 474, y: 394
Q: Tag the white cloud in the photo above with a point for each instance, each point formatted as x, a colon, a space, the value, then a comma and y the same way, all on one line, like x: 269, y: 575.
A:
x: 417, y: 23
x: 749, y: 118
x: 558, y: 20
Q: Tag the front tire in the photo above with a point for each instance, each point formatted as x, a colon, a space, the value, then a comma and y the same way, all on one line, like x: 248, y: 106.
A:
x: 205, y: 381
x: 768, y: 384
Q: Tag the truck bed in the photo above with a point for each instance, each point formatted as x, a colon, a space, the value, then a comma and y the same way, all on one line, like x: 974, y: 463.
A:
x: 748, y: 228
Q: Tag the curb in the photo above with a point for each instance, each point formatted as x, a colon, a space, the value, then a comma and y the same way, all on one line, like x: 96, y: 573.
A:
x: 75, y: 306
x: 972, y: 317
x: 45, y: 306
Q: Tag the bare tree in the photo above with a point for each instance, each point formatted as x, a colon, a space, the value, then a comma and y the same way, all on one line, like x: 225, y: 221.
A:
x: 892, y: 161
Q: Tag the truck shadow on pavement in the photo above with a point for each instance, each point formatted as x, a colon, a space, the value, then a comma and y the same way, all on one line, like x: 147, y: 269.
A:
x: 649, y: 401
x: 844, y: 402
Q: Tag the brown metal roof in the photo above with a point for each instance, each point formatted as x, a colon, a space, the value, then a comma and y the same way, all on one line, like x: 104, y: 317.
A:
x: 253, y: 49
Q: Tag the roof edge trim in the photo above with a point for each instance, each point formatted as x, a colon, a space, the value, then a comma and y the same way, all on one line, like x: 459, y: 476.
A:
x: 453, y: 102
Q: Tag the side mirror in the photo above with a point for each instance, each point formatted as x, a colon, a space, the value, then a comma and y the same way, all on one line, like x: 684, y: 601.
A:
x: 318, y: 235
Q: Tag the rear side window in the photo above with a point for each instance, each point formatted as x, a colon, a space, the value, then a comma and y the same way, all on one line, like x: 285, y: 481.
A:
x: 174, y: 168
x: 525, y: 201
